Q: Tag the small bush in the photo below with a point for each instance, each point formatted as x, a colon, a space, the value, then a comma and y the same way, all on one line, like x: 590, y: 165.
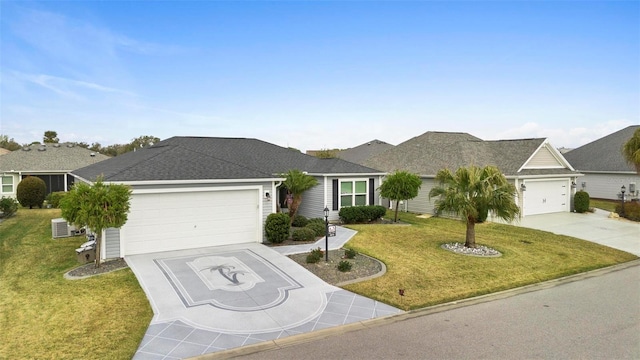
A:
x: 31, y: 192
x: 54, y: 198
x: 299, y: 221
x: 318, y: 229
x: 350, y: 253
x: 303, y: 234
x: 314, y: 256
x: 631, y: 210
x: 8, y: 207
x: 344, y: 266
x: 361, y: 214
x: 277, y: 227
x: 581, y: 201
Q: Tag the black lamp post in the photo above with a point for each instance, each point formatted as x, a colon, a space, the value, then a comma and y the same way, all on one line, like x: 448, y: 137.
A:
x: 622, y: 190
x: 326, y: 234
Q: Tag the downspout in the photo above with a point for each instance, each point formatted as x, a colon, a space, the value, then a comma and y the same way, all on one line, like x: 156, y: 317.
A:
x: 276, y: 196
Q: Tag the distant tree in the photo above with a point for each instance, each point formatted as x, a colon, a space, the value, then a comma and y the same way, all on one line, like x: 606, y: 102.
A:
x: 50, y: 136
x: 471, y: 191
x: 31, y: 192
x: 401, y: 185
x: 9, y: 143
x: 140, y: 142
x: 631, y: 150
x: 98, y: 207
x: 296, y: 182
x: 327, y: 153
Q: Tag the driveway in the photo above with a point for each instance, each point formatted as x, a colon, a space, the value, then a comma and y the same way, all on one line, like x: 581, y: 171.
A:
x: 597, y: 227
x: 210, y: 299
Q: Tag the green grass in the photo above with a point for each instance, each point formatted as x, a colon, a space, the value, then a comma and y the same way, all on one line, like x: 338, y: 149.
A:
x: 430, y: 275
x: 44, y: 316
x: 608, y: 205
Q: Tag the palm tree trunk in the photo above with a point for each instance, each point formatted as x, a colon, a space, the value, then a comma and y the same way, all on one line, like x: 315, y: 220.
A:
x: 470, y: 240
x: 98, y: 245
x: 397, y: 206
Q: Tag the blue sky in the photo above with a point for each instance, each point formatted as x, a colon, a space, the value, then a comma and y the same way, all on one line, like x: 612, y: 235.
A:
x: 313, y: 75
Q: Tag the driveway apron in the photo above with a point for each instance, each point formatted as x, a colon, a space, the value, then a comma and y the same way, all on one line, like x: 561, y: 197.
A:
x: 210, y: 299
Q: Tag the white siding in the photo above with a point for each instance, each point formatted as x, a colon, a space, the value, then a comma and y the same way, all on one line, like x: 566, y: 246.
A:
x: 607, y: 186
x: 112, y: 243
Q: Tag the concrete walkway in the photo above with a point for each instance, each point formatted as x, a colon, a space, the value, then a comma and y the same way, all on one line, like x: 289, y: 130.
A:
x: 597, y: 227
x: 211, y: 299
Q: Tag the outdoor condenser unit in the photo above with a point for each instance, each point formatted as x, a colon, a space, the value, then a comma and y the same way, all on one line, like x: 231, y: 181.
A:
x: 60, y: 228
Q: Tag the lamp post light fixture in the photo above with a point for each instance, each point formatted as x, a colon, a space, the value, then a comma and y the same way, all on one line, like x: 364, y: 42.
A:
x: 326, y: 234
x: 523, y: 187
x: 622, y: 190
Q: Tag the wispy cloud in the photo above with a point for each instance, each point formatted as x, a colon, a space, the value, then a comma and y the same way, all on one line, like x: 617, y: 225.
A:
x: 70, y: 88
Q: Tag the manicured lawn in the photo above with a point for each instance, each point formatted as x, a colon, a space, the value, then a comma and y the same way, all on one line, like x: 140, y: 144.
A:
x: 44, y: 316
x: 430, y: 275
x: 608, y: 205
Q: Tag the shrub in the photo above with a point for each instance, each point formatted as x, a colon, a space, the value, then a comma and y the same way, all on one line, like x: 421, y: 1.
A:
x: 631, y: 210
x: 299, y: 221
x: 303, y: 234
x: 314, y: 256
x: 277, y: 227
x: 350, y: 253
x: 361, y: 214
x: 31, y: 192
x: 54, y: 198
x: 8, y: 206
x: 581, y: 201
x: 344, y: 266
x: 318, y: 228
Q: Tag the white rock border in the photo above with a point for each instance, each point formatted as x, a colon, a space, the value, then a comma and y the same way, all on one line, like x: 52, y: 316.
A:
x: 479, y: 250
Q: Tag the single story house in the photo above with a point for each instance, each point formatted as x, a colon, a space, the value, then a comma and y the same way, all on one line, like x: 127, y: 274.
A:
x: 605, y: 168
x: 50, y: 162
x: 190, y: 192
x: 544, y: 179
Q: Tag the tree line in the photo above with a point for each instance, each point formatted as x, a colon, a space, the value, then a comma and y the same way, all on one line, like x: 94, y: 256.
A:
x: 51, y: 137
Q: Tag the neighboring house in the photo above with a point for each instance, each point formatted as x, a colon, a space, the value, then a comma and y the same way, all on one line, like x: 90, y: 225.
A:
x: 190, y: 192
x: 604, y: 167
x: 544, y: 180
x: 50, y: 162
x: 362, y: 153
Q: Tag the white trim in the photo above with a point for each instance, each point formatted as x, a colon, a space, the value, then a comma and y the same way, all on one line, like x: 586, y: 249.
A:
x: 353, y: 194
x: 554, y: 152
x: 186, y: 182
x: 349, y: 174
x: 326, y: 203
x: 542, y: 176
x: 198, y: 189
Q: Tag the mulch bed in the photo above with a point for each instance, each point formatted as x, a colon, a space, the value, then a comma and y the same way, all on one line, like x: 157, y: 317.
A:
x: 362, y: 268
x: 90, y: 269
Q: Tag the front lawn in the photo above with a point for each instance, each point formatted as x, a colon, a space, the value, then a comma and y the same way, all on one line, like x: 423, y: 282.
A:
x: 430, y: 275
x: 44, y: 316
x: 604, y: 204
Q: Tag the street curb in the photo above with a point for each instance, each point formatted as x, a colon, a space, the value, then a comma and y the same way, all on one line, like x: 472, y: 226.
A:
x: 324, y: 333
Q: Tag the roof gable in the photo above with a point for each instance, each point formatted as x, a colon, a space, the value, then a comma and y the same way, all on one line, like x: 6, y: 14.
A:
x: 604, y: 154
x: 49, y: 157
x: 546, y: 157
x: 363, y: 152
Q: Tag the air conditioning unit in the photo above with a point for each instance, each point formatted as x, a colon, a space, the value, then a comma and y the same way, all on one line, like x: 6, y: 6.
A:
x: 60, y: 228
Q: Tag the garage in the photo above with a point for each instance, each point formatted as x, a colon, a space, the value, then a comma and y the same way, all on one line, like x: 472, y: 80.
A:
x: 185, y: 219
x: 546, y: 196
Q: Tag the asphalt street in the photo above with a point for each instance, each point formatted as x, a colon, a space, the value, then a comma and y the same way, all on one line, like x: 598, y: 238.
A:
x: 590, y: 316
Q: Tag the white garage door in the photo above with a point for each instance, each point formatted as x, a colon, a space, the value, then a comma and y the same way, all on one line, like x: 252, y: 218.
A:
x: 185, y: 220
x: 543, y: 197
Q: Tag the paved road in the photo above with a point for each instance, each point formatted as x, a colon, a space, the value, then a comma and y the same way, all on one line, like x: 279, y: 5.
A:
x: 597, y: 317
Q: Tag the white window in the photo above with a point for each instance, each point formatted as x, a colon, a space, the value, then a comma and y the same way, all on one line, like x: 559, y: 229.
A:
x: 7, y: 184
x: 353, y: 193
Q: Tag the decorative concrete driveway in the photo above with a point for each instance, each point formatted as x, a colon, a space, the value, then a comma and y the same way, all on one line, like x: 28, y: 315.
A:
x: 216, y: 298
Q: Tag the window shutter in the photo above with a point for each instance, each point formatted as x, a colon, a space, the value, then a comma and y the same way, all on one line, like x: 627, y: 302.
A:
x: 372, y: 192
x: 335, y: 194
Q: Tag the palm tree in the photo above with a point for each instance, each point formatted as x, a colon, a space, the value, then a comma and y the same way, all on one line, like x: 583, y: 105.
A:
x: 296, y: 182
x: 472, y: 190
x: 631, y: 150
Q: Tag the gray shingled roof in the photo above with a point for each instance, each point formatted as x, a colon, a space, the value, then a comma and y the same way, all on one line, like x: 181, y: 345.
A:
x: 55, y: 158
x: 604, y: 154
x: 428, y: 153
x: 361, y: 153
x: 191, y: 158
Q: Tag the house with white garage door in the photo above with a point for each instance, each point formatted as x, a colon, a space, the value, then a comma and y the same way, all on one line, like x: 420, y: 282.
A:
x: 190, y: 192
x: 544, y: 180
